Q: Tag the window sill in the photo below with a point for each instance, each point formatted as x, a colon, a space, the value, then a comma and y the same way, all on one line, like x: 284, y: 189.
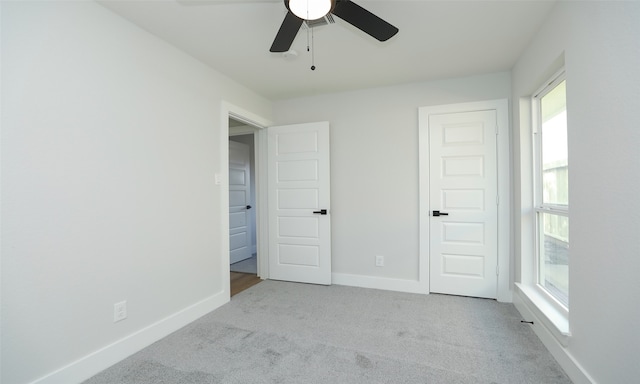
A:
x: 556, y: 321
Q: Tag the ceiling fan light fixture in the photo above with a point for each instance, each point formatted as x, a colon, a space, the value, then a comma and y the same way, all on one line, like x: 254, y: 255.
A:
x: 311, y: 9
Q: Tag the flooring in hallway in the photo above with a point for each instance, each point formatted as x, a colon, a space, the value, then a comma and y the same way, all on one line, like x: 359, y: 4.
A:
x: 242, y: 281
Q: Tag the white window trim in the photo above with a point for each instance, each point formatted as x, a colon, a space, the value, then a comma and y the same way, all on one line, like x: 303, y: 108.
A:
x: 538, y: 300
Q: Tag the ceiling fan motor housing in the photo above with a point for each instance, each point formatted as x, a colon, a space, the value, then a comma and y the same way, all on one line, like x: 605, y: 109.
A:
x: 310, y: 9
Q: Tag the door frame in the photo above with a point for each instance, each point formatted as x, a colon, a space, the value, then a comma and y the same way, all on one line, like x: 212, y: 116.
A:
x: 258, y: 125
x: 503, y: 269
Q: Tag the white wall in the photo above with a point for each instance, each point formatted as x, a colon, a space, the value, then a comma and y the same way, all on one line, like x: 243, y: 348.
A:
x: 110, y: 142
x: 374, y: 167
x: 602, y: 56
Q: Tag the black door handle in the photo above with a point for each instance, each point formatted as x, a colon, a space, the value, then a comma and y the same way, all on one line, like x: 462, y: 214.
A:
x: 248, y: 207
x: 321, y: 212
x: 438, y: 213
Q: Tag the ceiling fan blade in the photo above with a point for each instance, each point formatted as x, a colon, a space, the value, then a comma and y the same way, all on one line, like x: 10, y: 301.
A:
x: 287, y: 33
x: 364, y: 20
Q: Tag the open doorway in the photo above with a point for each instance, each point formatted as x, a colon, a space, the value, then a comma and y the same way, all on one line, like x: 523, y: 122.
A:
x: 243, y: 205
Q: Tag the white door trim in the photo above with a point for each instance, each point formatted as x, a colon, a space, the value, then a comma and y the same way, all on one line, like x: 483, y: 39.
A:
x: 504, y: 292
x: 260, y: 143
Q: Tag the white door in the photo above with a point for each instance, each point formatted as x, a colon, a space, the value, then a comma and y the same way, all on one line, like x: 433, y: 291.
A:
x: 463, y: 203
x: 239, y: 198
x: 299, y: 203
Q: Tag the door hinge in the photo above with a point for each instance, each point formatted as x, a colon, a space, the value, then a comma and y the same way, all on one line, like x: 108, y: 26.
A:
x: 497, y: 270
x: 497, y: 199
x: 496, y: 130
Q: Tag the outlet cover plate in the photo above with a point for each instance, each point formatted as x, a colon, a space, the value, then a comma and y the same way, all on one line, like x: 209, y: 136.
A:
x: 119, y: 311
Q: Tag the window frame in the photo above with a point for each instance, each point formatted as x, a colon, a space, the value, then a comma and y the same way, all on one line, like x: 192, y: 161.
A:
x: 539, y: 207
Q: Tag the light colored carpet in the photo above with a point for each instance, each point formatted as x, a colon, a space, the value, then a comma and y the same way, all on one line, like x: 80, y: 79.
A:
x: 249, y: 265
x: 279, y: 332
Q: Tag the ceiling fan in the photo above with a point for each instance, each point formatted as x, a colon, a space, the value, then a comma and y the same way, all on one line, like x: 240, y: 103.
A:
x: 300, y: 11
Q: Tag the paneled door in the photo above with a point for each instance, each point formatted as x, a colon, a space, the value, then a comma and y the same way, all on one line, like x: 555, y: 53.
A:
x: 299, y: 203
x: 463, y: 203
x: 239, y: 198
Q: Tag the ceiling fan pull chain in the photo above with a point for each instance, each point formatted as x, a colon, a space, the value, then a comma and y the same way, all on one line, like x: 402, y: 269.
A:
x: 313, y: 60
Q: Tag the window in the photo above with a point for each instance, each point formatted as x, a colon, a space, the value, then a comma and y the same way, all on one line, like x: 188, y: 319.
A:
x: 551, y: 194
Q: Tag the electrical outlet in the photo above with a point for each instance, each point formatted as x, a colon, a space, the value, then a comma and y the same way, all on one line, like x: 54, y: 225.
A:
x: 379, y: 261
x: 119, y: 311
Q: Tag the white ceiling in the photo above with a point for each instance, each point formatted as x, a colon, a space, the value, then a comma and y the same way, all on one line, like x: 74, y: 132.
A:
x: 437, y: 39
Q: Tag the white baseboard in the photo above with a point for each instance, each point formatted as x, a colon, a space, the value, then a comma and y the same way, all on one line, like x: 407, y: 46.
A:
x: 573, y: 369
x: 387, y: 284
x: 101, y: 359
